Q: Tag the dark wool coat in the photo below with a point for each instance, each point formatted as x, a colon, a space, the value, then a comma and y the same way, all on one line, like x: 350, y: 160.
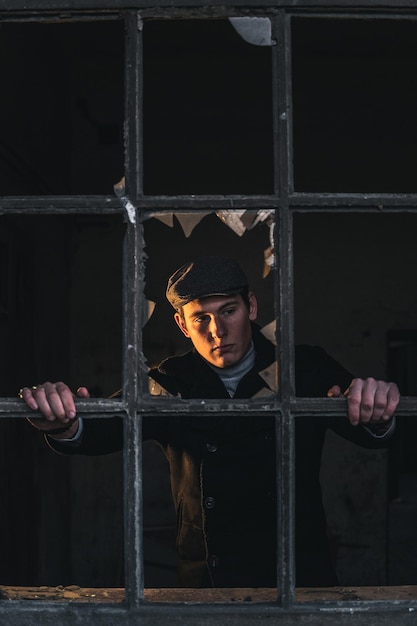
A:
x: 223, y: 471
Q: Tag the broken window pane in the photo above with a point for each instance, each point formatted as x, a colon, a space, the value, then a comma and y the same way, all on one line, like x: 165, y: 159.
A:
x: 207, y: 110
x: 239, y: 555
x: 173, y: 239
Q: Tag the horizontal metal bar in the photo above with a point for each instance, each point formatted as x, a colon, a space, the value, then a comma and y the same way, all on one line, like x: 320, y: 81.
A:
x: 163, y: 405
x: 337, y: 406
x: 97, y: 408
x: 70, y: 5
x: 94, y: 408
x: 363, y: 614
x: 360, y: 201
x: 298, y: 407
x: 60, y: 204
x: 380, y: 203
x: 61, y: 17
x: 208, y: 202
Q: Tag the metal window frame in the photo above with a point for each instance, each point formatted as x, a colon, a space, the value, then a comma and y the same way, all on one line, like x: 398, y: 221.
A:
x: 135, y: 404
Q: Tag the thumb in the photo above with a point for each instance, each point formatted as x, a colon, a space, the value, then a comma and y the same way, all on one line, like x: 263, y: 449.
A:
x: 82, y: 392
x: 334, y: 392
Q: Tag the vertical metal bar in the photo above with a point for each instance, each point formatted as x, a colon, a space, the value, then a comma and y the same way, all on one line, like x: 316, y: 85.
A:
x: 133, y: 424
x: 285, y: 334
x: 290, y: 120
x: 133, y: 89
x: 131, y: 327
x: 283, y: 221
x: 283, y: 224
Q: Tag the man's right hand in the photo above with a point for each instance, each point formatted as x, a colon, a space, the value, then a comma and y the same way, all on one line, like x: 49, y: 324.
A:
x: 55, y: 402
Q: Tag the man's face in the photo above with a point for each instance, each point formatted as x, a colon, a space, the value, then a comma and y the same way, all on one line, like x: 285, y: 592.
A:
x: 219, y: 327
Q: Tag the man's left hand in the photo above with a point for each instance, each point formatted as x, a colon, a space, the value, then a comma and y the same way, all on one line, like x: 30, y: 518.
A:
x: 370, y: 401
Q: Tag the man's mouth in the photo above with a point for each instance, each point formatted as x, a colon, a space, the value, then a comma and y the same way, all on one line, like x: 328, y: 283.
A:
x: 223, y: 348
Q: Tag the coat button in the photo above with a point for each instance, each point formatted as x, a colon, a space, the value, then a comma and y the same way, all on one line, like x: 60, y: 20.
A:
x: 211, y: 447
x: 213, y: 560
x: 209, y: 502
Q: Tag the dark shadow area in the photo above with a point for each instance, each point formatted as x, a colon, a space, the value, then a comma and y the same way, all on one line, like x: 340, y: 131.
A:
x: 402, y: 359
x: 208, y: 107
x: 60, y: 319
x: 354, y: 300
x: 354, y: 95
x: 62, y: 108
x: 207, y: 110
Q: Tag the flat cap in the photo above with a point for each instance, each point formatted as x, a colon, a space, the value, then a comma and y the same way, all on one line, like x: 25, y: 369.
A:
x: 203, y: 277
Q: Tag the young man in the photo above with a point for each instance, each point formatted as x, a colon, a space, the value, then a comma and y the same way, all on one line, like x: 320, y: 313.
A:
x: 223, y: 469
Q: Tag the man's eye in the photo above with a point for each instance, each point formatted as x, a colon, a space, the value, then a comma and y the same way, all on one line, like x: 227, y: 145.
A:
x: 229, y: 311
x: 201, y: 320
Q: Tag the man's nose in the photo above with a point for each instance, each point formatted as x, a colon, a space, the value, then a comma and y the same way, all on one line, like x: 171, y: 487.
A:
x: 217, y: 328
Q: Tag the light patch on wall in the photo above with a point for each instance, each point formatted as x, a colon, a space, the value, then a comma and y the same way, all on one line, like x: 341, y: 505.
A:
x: 254, y: 30
x: 270, y: 376
x: 189, y: 221
x: 151, y: 307
x: 166, y: 218
x: 269, y: 332
x: 238, y: 220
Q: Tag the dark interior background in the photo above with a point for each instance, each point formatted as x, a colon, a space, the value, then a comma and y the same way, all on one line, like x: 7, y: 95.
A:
x: 354, y: 93
x: 208, y: 129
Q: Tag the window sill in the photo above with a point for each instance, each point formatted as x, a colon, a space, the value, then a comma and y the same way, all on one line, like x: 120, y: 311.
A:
x: 73, y: 593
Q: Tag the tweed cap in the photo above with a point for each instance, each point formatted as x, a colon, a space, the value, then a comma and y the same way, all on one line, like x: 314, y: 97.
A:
x: 203, y: 277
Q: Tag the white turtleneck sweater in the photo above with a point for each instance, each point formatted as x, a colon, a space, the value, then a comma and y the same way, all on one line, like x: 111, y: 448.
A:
x: 231, y: 376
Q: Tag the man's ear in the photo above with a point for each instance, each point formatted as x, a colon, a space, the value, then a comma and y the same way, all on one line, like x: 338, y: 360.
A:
x: 181, y: 324
x: 253, y: 306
